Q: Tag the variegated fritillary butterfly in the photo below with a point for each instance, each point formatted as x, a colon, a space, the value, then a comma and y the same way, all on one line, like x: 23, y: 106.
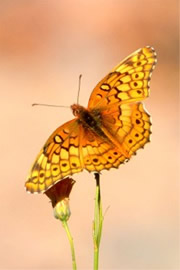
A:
x: 113, y: 127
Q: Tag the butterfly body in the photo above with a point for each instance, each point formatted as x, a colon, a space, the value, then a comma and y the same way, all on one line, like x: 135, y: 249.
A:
x: 90, y: 120
x: 106, y: 133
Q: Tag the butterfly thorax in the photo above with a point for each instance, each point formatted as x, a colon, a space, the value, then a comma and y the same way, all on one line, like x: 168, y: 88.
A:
x: 89, y: 119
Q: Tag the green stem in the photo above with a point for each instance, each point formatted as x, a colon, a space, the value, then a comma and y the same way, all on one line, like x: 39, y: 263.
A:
x: 98, y: 222
x: 65, y: 225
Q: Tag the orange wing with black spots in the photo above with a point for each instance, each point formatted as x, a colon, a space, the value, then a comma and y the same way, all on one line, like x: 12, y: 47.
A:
x: 58, y: 158
x: 99, y: 153
x: 129, y: 124
x: 70, y: 149
x: 128, y: 82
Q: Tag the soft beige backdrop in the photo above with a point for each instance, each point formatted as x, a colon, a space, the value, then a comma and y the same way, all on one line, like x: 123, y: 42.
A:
x: 44, y: 46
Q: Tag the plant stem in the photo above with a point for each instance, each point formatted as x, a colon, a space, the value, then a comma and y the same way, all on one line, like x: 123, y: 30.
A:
x: 98, y: 222
x: 65, y: 225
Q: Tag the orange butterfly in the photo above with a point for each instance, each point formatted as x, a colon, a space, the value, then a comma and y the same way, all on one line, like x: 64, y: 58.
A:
x: 113, y: 127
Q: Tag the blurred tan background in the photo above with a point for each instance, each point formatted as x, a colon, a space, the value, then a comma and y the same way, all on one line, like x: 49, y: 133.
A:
x: 44, y: 46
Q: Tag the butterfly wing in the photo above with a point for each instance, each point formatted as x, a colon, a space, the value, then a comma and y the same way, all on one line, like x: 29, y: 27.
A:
x: 129, y: 125
x: 98, y: 152
x: 127, y: 82
x: 116, y: 97
x: 126, y: 133
x: 59, y: 157
x: 70, y: 149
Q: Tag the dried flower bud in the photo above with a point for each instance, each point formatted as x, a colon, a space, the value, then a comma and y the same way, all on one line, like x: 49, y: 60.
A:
x: 59, y: 195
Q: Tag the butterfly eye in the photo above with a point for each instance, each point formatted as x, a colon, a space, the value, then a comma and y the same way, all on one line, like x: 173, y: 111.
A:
x: 76, y: 111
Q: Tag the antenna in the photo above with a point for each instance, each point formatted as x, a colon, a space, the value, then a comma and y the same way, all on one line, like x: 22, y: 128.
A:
x: 49, y: 105
x: 79, y: 86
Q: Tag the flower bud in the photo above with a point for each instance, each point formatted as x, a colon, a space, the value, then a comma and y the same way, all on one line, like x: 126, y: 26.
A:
x: 62, y: 210
x: 59, y: 195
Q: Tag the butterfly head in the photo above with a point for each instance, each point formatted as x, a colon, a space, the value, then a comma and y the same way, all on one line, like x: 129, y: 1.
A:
x: 77, y: 109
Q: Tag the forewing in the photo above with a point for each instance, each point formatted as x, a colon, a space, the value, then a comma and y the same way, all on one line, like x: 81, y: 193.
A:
x: 127, y: 82
x: 57, y: 159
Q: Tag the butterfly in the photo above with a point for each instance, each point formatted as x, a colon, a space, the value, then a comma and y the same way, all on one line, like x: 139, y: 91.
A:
x: 106, y: 133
